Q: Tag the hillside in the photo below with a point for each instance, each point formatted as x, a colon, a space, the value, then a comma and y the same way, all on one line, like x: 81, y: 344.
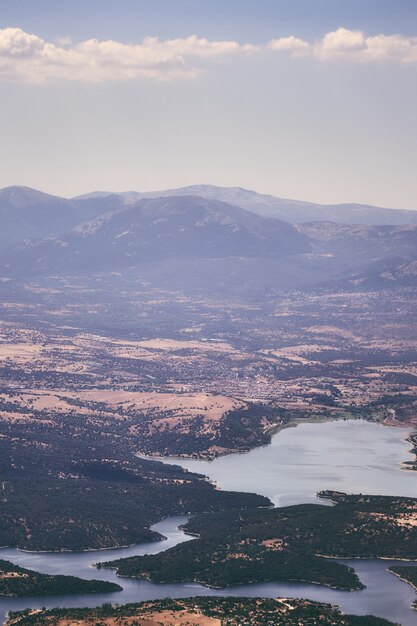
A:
x: 26, y: 213
x: 157, y: 229
x: 29, y: 214
x: 293, y: 211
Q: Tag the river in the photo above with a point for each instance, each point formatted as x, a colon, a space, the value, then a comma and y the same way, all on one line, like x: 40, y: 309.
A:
x: 350, y: 456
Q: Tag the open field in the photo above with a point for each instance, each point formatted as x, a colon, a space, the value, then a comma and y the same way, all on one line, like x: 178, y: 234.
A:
x: 181, y: 373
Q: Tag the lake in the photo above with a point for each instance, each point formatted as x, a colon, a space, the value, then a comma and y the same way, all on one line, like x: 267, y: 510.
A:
x: 354, y: 456
x: 350, y: 456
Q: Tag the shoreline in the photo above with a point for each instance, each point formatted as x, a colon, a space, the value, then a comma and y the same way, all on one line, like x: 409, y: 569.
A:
x: 171, y: 460
x: 86, y: 550
x: 365, y: 558
x: 404, y: 580
x: 290, y: 580
x: 252, y: 582
x: 89, y: 550
x: 274, y: 430
x: 209, y: 458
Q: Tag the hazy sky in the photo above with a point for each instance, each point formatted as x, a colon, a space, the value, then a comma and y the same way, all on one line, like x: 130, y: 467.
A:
x: 306, y: 99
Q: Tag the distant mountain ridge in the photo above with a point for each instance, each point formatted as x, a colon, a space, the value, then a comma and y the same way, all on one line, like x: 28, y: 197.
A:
x: 159, y: 228
x: 26, y: 213
x: 293, y: 211
x: 190, y: 242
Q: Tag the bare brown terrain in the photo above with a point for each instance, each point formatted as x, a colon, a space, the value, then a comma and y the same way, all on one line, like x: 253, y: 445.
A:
x: 303, y: 357
x: 141, y: 618
x: 198, y: 612
x: 162, y: 618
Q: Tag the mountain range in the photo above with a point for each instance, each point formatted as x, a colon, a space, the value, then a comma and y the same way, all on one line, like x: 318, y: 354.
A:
x: 180, y: 239
x: 28, y: 213
x: 293, y: 211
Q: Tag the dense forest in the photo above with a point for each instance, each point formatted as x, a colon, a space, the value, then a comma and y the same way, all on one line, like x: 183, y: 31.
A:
x: 285, y: 544
x: 20, y: 582
x: 405, y: 572
x: 74, y: 486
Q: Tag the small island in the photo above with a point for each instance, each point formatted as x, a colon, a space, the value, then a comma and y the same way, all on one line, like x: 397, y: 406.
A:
x: 19, y: 582
x: 199, y: 611
x: 286, y: 544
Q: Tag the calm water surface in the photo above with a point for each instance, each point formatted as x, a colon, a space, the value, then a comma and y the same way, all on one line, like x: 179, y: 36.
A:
x: 349, y: 456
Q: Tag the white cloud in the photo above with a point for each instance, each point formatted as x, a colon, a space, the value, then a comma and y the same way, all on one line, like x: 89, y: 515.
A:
x: 341, y: 42
x: 294, y: 45
x: 353, y: 45
x: 63, y: 41
x: 27, y: 57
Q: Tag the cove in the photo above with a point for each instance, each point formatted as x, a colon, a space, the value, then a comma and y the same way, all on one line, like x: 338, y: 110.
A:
x: 352, y: 456
x: 385, y: 595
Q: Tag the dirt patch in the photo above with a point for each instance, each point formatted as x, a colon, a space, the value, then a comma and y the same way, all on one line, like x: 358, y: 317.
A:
x: 173, y: 344
x: 19, y: 351
x: 178, y: 405
x: 8, y: 575
x: 274, y: 545
x: 163, y: 618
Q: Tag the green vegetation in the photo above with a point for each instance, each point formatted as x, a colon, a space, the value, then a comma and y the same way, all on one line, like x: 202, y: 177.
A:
x: 241, y: 430
x: 58, y: 494
x: 405, y: 572
x: 231, y: 612
x: 223, y: 565
x: 20, y: 582
x: 408, y: 573
x: 413, y: 440
x: 285, y: 544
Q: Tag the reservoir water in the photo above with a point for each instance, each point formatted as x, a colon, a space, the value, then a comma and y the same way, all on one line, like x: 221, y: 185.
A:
x: 348, y: 456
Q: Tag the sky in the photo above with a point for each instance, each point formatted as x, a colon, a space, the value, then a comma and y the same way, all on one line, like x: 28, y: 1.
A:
x: 306, y: 99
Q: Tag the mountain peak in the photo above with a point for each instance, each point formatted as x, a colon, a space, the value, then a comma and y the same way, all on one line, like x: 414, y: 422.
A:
x: 154, y: 229
x: 19, y: 196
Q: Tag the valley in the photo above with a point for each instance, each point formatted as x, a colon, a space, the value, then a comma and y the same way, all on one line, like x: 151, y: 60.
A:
x: 181, y: 375
x: 186, y: 329
x: 208, y: 297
